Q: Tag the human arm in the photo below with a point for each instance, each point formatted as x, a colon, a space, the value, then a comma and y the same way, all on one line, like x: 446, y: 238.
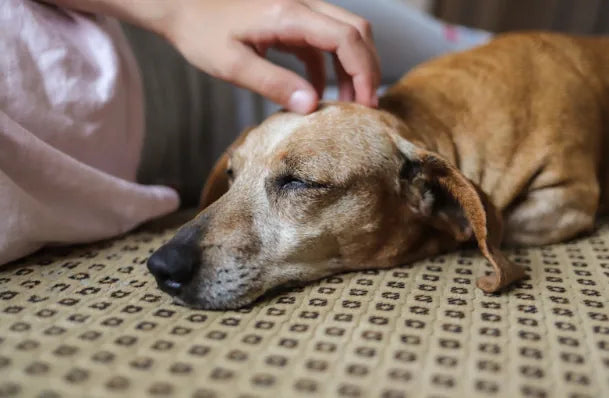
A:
x: 228, y: 39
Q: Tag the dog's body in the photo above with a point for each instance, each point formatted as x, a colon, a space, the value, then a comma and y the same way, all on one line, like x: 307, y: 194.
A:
x: 525, y: 119
x: 510, y: 133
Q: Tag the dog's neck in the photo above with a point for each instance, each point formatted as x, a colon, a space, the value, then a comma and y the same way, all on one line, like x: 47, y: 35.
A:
x: 424, y: 118
x: 425, y: 126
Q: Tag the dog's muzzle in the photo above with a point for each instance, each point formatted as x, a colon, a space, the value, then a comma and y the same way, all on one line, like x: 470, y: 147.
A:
x: 174, y: 263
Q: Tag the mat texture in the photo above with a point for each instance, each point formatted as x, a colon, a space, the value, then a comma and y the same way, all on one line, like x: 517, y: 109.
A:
x: 89, y: 322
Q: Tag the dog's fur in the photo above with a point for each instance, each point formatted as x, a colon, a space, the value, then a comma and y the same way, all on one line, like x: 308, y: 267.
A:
x: 512, y: 133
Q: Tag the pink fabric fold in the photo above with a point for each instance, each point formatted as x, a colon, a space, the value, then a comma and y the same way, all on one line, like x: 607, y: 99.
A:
x: 71, y: 131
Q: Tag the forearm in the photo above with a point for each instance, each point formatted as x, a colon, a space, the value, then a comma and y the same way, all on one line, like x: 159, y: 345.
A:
x: 149, y: 14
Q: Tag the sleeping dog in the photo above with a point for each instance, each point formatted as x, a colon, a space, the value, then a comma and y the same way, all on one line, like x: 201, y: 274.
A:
x: 502, y: 144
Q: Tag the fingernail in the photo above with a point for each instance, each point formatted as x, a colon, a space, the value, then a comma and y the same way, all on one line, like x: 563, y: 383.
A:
x: 301, y: 101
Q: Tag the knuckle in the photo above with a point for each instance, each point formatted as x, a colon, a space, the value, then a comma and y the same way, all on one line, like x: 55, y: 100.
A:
x: 281, y: 8
x: 231, y: 69
x: 365, y: 28
x: 274, y: 83
x: 351, y: 35
x: 272, y: 89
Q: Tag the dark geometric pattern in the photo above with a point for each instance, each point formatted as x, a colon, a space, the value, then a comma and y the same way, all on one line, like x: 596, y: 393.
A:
x: 90, y: 322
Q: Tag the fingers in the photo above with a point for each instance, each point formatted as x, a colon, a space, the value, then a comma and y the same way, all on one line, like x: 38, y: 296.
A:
x: 361, y: 24
x: 316, y: 71
x: 282, y: 86
x: 303, y: 26
x: 346, y: 92
x: 363, y: 27
x: 314, y: 62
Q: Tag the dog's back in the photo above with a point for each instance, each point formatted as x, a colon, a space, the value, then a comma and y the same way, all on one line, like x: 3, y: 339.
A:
x: 524, y: 117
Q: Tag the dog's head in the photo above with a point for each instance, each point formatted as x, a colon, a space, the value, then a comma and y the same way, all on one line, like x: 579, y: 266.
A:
x: 302, y: 197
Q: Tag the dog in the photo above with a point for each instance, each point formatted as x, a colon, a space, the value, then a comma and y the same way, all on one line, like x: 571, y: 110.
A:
x: 501, y: 144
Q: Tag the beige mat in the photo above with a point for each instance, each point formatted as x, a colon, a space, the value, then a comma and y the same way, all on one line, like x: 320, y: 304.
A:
x: 89, y: 322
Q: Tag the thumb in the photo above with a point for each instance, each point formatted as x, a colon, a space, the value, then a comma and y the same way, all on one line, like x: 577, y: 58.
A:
x: 280, y: 85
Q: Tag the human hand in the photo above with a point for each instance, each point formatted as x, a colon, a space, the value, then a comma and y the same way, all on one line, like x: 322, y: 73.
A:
x: 229, y: 38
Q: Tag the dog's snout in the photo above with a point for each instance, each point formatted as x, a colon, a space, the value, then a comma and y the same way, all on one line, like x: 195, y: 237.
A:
x: 173, y: 265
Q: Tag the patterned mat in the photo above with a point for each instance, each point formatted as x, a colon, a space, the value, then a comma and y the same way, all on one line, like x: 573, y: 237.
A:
x: 89, y: 322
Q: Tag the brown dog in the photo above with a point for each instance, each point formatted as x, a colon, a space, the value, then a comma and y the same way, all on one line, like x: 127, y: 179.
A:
x: 509, y: 133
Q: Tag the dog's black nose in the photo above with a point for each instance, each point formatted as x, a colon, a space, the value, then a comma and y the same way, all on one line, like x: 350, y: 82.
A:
x: 173, y: 265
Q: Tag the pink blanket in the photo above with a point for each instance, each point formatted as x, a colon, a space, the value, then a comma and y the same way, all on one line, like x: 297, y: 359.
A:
x: 71, y: 130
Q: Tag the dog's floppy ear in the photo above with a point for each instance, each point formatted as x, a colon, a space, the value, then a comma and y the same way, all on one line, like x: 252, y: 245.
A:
x: 442, y: 196
x: 218, y: 182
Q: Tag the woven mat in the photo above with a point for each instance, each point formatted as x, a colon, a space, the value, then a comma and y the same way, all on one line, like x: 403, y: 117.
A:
x: 89, y: 322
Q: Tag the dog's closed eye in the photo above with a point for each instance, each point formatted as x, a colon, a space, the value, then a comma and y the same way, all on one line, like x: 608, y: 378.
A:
x: 291, y: 182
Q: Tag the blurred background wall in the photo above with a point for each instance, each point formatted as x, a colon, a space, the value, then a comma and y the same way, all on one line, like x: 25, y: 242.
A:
x: 575, y: 16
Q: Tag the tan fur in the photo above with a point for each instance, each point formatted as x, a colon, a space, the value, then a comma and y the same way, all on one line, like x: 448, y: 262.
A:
x: 511, y: 133
x: 523, y: 118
